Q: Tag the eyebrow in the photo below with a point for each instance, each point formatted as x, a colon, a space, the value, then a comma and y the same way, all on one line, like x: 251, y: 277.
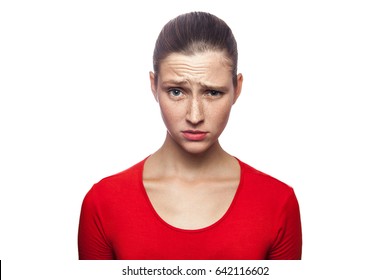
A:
x: 184, y: 82
x: 174, y: 82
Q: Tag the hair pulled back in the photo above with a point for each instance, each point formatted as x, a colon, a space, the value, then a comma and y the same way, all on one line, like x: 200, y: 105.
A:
x: 192, y: 33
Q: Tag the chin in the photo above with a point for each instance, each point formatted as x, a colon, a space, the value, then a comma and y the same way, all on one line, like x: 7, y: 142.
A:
x: 196, y: 148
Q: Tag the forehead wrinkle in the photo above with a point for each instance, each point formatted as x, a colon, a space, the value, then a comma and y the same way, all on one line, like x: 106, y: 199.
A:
x: 184, y: 74
x: 206, y: 71
x: 188, y: 68
x: 193, y: 64
x: 213, y: 59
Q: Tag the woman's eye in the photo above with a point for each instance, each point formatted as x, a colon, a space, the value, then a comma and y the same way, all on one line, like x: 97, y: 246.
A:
x: 214, y: 93
x: 175, y: 92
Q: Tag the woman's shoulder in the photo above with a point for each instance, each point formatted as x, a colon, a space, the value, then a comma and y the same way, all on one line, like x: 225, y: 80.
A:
x: 121, y: 180
x: 263, y: 181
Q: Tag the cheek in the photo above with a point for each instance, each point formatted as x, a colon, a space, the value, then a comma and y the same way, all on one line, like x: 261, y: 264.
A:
x: 170, y: 114
x: 220, y: 114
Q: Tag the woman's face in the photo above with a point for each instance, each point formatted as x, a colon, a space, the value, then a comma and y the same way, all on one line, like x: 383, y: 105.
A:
x: 195, y: 94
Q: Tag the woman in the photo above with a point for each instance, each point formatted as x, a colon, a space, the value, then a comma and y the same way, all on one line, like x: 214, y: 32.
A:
x: 191, y: 199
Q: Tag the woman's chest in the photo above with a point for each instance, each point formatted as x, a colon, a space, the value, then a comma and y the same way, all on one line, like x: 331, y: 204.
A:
x: 191, y: 206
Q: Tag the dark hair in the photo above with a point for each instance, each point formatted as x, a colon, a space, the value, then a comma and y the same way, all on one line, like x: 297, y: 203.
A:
x: 195, y: 32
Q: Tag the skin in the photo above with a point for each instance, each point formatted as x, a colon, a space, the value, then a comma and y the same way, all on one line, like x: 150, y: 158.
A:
x: 196, y: 183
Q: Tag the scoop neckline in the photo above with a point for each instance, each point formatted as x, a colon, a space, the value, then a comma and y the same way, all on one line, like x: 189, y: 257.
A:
x: 206, y: 228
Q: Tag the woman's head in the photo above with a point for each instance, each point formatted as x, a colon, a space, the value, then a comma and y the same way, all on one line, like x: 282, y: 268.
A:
x: 193, y: 33
x: 195, y: 80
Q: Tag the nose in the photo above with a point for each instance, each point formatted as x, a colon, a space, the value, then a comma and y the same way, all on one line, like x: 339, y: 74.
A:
x: 195, y: 113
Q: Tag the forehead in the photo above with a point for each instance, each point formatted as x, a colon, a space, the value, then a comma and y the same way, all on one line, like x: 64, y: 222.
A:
x: 211, y: 66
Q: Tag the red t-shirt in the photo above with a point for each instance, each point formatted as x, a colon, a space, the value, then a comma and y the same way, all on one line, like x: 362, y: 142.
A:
x: 118, y: 221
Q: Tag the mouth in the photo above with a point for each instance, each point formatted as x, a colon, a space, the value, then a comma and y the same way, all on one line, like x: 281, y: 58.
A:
x: 194, y: 135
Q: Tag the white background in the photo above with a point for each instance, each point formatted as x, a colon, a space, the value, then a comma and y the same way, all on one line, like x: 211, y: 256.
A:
x: 314, y: 112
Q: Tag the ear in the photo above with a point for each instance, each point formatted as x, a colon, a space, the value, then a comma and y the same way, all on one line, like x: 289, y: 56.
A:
x: 153, y: 85
x: 237, y: 90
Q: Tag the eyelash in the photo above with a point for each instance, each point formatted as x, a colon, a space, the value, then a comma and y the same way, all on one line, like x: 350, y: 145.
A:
x: 212, y: 92
x: 173, y: 91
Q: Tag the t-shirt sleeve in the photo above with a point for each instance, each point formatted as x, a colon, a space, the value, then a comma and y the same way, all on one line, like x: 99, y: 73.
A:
x: 92, y: 241
x: 288, y: 241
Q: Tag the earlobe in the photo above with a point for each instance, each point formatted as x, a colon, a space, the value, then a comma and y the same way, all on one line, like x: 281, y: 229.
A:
x: 153, y: 85
x: 238, y: 88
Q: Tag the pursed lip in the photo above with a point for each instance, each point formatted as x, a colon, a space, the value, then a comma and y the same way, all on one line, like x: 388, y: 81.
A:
x: 194, y: 135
